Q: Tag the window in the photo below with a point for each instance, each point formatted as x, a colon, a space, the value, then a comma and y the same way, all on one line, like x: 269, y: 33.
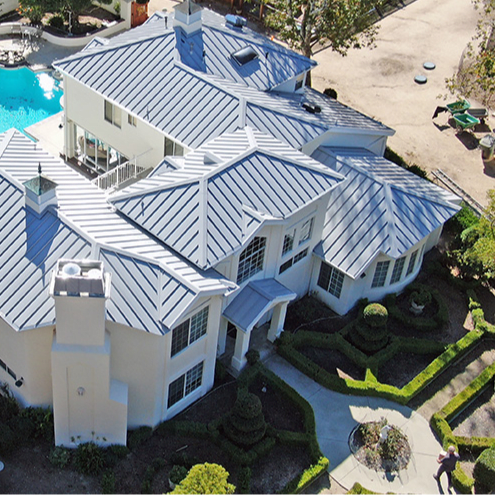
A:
x: 306, y: 230
x: 113, y: 114
x: 301, y: 255
x: 251, y: 259
x: 288, y: 242
x: 380, y: 274
x: 172, y: 148
x: 299, y: 83
x: 331, y: 279
x: 398, y: 269
x: 285, y: 266
x: 189, y: 331
x: 185, y: 384
x: 412, y: 263
x: 131, y: 120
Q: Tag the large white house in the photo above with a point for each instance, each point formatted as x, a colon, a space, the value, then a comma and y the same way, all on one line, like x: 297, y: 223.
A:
x: 115, y: 303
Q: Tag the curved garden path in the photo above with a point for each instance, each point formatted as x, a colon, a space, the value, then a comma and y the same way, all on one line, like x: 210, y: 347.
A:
x: 336, y: 415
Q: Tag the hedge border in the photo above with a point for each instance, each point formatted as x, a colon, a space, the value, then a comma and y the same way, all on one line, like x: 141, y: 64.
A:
x: 440, y: 420
x: 211, y: 431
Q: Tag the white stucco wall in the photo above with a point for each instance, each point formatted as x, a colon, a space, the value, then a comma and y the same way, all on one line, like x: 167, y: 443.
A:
x: 27, y: 353
x: 8, y: 6
x: 87, y: 109
x: 353, y: 290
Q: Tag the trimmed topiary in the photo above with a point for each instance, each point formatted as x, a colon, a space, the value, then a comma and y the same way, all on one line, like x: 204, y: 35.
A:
x: 245, y: 425
x: 375, y: 315
x: 252, y: 356
x: 484, y: 470
x: 422, y: 297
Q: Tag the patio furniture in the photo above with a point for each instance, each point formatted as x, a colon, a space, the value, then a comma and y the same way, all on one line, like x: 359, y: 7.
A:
x: 90, y: 149
x: 464, y: 121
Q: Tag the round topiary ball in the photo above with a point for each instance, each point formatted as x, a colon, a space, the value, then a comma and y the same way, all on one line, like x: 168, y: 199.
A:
x: 484, y: 470
x: 375, y: 315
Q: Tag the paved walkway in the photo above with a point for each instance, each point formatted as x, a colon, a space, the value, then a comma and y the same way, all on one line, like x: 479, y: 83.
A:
x: 336, y: 416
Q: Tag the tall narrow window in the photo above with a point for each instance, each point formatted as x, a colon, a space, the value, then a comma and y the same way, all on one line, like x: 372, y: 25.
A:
x: 288, y: 242
x: 131, y: 120
x: 251, y: 259
x: 412, y: 263
x: 398, y: 269
x: 113, y: 114
x: 331, y: 279
x: 380, y: 274
x: 306, y: 230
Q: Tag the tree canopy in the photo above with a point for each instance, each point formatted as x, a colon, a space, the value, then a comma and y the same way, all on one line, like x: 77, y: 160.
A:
x: 304, y: 23
x: 205, y: 478
x: 476, y: 74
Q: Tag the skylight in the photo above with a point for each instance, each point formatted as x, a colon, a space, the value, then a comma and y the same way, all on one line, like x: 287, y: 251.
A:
x: 244, y: 55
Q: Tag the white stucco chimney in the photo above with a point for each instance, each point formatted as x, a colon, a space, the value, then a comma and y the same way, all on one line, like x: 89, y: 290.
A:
x: 40, y: 192
x: 88, y: 404
x: 188, y: 17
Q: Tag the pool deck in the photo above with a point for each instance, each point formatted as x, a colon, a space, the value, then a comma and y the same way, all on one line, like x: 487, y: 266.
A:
x: 49, y: 133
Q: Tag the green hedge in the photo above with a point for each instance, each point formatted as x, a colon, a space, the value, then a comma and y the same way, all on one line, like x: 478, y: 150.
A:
x: 303, y: 480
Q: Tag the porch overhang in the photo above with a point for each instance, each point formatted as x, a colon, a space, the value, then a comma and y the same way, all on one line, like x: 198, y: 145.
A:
x: 254, y: 300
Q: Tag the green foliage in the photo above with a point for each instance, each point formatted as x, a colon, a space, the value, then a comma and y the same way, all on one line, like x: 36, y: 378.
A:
x: 183, y: 459
x: 344, y: 24
x: 220, y: 372
x: 89, y: 458
x: 421, y: 297
x: 331, y: 93
x: 60, y: 457
x: 136, y: 437
x: 244, y: 480
x: 205, y: 479
x: 34, y: 10
x: 307, y: 477
x: 147, y: 483
x: 359, y: 490
x: 252, y: 356
x: 24, y: 428
x: 42, y: 418
x: 177, y: 474
x: 108, y: 482
x: 375, y: 315
x: 117, y: 7
x: 245, y: 425
x: 8, y: 439
x: 8, y: 403
x: 484, y: 470
x: 394, y: 157
x: 462, y: 220
x: 57, y: 22
x: 476, y: 76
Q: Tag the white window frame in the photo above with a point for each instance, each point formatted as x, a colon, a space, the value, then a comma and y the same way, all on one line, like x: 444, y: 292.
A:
x: 412, y: 262
x: 381, y: 273
x: 131, y: 120
x: 113, y: 114
x: 398, y: 270
x: 189, y: 331
x: 332, y: 281
x: 186, y: 384
x: 288, y: 244
x: 306, y: 231
x: 252, y: 259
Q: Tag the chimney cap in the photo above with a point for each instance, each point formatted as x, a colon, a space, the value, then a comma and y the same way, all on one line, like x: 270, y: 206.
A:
x: 40, y: 184
x: 188, y: 7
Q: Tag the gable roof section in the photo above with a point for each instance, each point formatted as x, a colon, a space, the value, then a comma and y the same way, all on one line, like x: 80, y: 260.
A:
x: 210, y: 214
x: 380, y: 208
x: 84, y: 226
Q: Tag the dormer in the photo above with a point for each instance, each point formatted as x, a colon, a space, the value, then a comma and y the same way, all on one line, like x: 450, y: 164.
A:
x: 40, y: 192
x: 188, y: 17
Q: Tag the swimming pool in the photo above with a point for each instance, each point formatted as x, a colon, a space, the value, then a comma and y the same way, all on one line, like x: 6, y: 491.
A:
x: 27, y: 97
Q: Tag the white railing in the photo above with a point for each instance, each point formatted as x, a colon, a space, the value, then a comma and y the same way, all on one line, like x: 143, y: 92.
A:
x: 114, y: 178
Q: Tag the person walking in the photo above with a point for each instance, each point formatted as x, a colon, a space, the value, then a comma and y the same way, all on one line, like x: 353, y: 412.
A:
x: 447, y: 464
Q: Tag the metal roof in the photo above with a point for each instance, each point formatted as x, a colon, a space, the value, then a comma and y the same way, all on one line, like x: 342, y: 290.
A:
x: 379, y: 208
x: 196, y: 92
x: 151, y: 286
x: 254, y: 300
x: 207, y: 212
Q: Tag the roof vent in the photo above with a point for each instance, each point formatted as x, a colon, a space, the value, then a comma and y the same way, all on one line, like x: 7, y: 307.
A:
x: 244, y: 55
x: 78, y: 278
x: 311, y: 108
x: 235, y: 21
x: 71, y: 269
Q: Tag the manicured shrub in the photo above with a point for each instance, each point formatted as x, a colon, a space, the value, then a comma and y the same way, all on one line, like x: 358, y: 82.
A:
x: 23, y: 427
x: 252, y: 356
x: 57, y: 22
x: 421, y: 297
x: 375, y: 315
x: 183, y: 459
x: 8, y: 404
x: 462, y: 220
x: 205, y: 479
x: 304, y: 479
x: 484, y: 470
x: 244, y: 480
x: 368, y: 339
x: 60, y: 457
x: 177, y: 474
x: 89, y: 458
x: 245, y: 425
x: 330, y: 92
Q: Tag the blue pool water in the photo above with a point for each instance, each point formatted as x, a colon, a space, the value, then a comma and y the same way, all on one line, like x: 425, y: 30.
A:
x: 27, y: 97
